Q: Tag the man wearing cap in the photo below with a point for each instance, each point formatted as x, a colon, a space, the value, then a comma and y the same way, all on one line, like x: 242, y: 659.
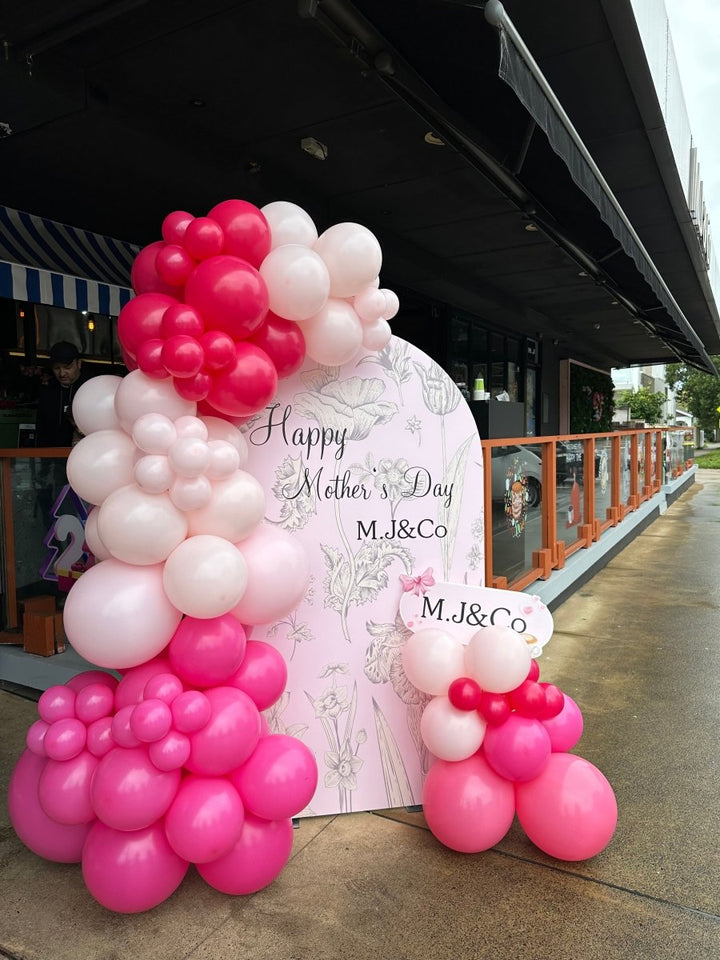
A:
x: 55, y: 426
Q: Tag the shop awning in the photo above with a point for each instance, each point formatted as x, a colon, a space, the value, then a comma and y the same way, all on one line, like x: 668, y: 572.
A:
x: 43, y: 261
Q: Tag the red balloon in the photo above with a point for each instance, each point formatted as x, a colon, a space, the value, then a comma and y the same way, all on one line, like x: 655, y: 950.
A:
x: 534, y: 671
x: 143, y: 275
x: 204, y: 238
x: 175, y: 224
x: 465, y: 694
x: 247, y: 232
x: 206, y: 409
x: 193, y: 388
x: 219, y: 349
x: 528, y: 699
x: 141, y: 319
x: 150, y: 361
x: 230, y: 294
x: 554, y: 701
x: 174, y: 264
x: 283, y: 341
x: 129, y: 361
x: 182, y: 356
x: 247, y: 385
x: 182, y: 319
x: 494, y: 708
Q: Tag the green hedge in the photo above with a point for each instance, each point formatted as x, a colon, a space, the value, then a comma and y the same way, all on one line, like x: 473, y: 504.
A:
x: 591, y: 400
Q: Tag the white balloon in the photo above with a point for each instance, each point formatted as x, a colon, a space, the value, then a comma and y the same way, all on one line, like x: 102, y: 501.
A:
x: 289, y: 224
x: 449, y: 733
x: 370, y: 304
x: 191, y: 493
x: 139, y: 527
x: 138, y: 394
x: 219, y: 429
x: 101, y: 462
x: 498, y: 658
x: 154, y: 433
x: 392, y: 304
x: 224, y: 459
x: 297, y: 280
x: 432, y: 659
x: 334, y: 335
x: 153, y: 473
x: 205, y: 576
x: 191, y: 427
x: 94, y: 405
x: 189, y: 456
x: 352, y: 255
x: 236, y: 507
x: 376, y: 335
x: 92, y: 537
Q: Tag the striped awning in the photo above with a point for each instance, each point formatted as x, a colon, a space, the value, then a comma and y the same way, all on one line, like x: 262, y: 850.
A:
x: 43, y: 261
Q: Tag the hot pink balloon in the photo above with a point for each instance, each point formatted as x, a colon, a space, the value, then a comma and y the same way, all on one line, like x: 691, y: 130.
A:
x: 230, y: 294
x: 246, y: 385
x: 206, y: 652
x: 518, y: 749
x: 174, y: 226
x: 191, y: 711
x: 174, y: 264
x: 283, y: 341
x: 278, y: 573
x: 262, y: 674
x: 205, y: 819
x: 64, y: 789
x: 569, y: 811
x: 230, y: 735
x: 46, y: 837
x: 204, y: 238
x: 99, y: 737
x: 163, y: 686
x: 34, y: 738
x: 82, y: 680
x: 121, y: 730
x: 151, y: 720
x: 57, y: 703
x: 256, y: 859
x: 149, y: 359
x: 144, y: 277
x: 468, y: 807
x: 141, y: 319
x: 247, y: 232
x: 566, y: 728
x: 279, y: 779
x: 94, y: 701
x: 171, y: 752
x: 65, y: 739
x: 133, y: 685
x: 129, y: 872
x: 128, y: 792
x: 182, y: 356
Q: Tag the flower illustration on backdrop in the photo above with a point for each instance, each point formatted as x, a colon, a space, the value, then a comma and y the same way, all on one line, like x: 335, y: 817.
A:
x: 342, y: 759
x: 395, y: 360
x: 440, y: 394
x: 353, y: 405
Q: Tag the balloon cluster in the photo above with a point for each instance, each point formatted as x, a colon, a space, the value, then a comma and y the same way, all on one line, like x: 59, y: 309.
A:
x: 501, y: 738
x: 172, y: 765
x: 230, y: 302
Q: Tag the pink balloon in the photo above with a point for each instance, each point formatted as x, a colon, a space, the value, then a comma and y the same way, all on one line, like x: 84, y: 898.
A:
x: 141, y: 528
x: 151, y: 720
x: 56, y: 703
x: 236, y: 508
x: 333, y: 335
x: 121, y: 730
x: 246, y: 230
x: 518, y: 749
x: 171, y: 752
x: 138, y: 395
x: 392, y: 304
x: 35, y: 736
x: 468, y: 807
x: 205, y: 653
x: 569, y: 811
x: 64, y: 789
x: 102, y: 462
x: 224, y: 460
x: 128, y: 792
x: 566, y: 728
x: 376, y: 335
x: 81, y: 680
x: 189, y: 456
x: 222, y: 430
x: 191, y: 711
x: 190, y: 493
x: 204, y: 577
x: 131, y: 688
x: 256, y: 859
x: 118, y: 615
x: 65, y: 739
x: 205, y: 819
x: 94, y: 701
x: 46, y: 837
x: 143, y: 274
x: 278, y: 573
x: 153, y: 474
x: 129, y: 872
x: 141, y: 319
x: 370, y: 304
x: 279, y: 779
x: 230, y: 735
x: 99, y: 737
x: 175, y: 225
x: 262, y: 675
x: 163, y: 686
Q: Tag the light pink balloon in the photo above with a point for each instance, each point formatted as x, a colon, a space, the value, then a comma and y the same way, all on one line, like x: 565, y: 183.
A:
x: 235, y: 509
x: 191, y: 494
x: 497, y: 658
x: 278, y: 573
x: 205, y: 576
x: 93, y: 407
x: 289, y: 223
x: 298, y: 281
x: 279, y: 779
x: 205, y: 819
x: 334, y: 335
x: 230, y: 735
x: 191, y: 427
x: 189, y: 456
x: 222, y: 430
x: 138, y: 395
x: 376, y: 335
x: 129, y: 872
x: 449, y: 733
x: 392, y: 304
x: 128, y: 792
x: 370, y: 304
x: 64, y: 789
x: 92, y: 537
x: 117, y: 615
x: 101, y: 463
x: 224, y: 459
x: 432, y: 658
x: 153, y: 473
x: 352, y: 255
x: 139, y: 527
x: 154, y: 433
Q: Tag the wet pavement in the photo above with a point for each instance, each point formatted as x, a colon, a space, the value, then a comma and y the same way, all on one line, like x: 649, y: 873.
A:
x: 638, y: 648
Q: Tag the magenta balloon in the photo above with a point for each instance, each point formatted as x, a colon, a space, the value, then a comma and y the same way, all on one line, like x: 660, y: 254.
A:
x: 128, y: 792
x: 129, y: 872
x: 141, y: 319
x: 191, y: 711
x: 174, y: 265
x: 81, y: 680
x: 121, y: 730
x: 256, y: 859
x: 34, y: 738
x: 60, y: 842
x: 163, y: 686
x: 262, y: 674
x: 65, y: 739
x: 131, y: 688
x: 566, y: 728
x: 175, y: 225
x: 246, y: 385
x: 99, y: 737
x: 205, y: 819
x: 204, y: 238
x: 205, y: 653
x: 230, y: 735
x: 94, y: 701
x: 278, y: 575
x: 517, y: 749
x: 279, y: 779
x: 64, y: 789
x: 143, y: 275
x: 151, y: 720
x: 56, y: 703
x: 230, y: 294
x: 569, y: 811
x: 468, y: 807
x: 246, y: 230
x: 171, y: 752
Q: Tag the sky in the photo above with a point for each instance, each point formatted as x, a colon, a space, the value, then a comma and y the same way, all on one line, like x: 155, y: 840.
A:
x: 695, y: 29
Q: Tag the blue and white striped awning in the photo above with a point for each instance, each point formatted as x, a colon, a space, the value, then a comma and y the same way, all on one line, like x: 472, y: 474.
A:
x: 42, y: 261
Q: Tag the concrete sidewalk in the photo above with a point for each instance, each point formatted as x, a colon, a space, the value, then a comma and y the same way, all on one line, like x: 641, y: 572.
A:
x: 638, y: 649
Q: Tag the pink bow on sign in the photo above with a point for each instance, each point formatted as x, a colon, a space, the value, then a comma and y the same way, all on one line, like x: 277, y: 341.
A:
x: 418, y: 584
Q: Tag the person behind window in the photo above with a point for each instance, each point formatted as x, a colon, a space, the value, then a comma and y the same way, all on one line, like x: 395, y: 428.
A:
x: 55, y: 426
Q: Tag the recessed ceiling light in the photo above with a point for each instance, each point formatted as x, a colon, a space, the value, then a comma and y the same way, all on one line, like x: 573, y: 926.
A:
x: 433, y: 139
x: 531, y: 227
x: 314, y: 148
x: 582, y: 273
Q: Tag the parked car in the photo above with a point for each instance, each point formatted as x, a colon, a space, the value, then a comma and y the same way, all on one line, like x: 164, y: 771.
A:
x: 569, y: 461
x: 506, y: 460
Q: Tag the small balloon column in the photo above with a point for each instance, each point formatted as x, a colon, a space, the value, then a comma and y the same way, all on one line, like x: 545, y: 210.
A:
x: 502, y: 739
x: 174, y: 764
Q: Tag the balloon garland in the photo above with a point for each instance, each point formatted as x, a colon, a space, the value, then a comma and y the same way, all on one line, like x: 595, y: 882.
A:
x: 174, y: 763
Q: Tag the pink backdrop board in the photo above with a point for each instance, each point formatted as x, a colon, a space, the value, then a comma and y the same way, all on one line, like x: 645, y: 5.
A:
x: 377, y: 467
